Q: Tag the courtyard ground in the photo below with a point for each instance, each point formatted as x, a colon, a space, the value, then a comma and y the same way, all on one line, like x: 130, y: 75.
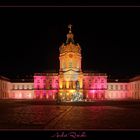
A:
x: 35, y: 114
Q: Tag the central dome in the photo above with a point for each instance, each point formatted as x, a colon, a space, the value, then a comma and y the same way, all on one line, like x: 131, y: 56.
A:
x: 65, y: 48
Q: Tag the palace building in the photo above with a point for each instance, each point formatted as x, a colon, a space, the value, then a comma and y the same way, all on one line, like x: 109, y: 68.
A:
x: 71, y: 83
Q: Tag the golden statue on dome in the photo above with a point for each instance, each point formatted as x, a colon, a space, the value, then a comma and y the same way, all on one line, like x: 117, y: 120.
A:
x: 69, y: 26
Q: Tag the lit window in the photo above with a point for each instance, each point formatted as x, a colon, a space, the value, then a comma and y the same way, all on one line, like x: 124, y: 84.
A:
x: 102, y: 81
x: 3, y: 85
x: 125, y: 87
x: 64, y: 66
x: 95, y: 86
x: 111, y: 87
x: 116, y: 87
x: 102, y: 86
x: 121, y: 87
x: 13, y: 86
x: 50, y: 86
x: 70, y: 65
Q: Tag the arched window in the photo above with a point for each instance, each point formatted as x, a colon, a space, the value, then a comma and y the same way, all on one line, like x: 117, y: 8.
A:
x: 70, y: 64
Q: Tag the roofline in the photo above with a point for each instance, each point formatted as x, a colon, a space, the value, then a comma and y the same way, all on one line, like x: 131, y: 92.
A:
x: 4, y: 78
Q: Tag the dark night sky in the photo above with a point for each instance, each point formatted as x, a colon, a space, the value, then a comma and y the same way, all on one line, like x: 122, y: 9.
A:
x: 109, y: 38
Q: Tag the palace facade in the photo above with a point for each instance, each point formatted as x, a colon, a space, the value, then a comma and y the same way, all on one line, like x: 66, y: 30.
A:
x: 71, y: 83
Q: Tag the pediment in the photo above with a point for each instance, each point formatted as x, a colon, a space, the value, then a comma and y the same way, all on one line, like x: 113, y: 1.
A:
x: 69, y: 72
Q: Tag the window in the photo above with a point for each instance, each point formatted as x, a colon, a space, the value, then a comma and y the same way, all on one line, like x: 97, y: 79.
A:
x: 77, y: 66
x: 22, y: 86
x: 125, y: 87
x: 70, y: 65
x: 3, y: 85
x: 95, y: 80
x: 95, y: 86
x: 37, y: 81
x: 121, y: 87
x: 111, y: 87
x: 50, y: 86
x: 102, y: 87
x: 116, y: 87
x: 17, y: 86
x: 44, y: 81
x: 102, y: 81
x: 13, y: 86
x: 63, y: 66
x: 27, y: 86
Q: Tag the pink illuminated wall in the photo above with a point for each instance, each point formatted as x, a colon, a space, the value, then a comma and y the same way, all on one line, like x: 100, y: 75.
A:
x: 118, y: 90
x: 22, y: 94
x: 95, y: 82
x: 94, y: 87
x: 46, y: 86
